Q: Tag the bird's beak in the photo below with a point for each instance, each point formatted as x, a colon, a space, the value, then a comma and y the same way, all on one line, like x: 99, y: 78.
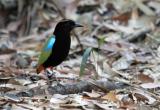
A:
x: 78, y: 25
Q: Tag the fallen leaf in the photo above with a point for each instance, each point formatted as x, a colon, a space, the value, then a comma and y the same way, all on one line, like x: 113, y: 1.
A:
x: 93, y: 94
x: 150, y: 85
x: 142, y: 96
x: 111, y: 96
x: 144, y: 78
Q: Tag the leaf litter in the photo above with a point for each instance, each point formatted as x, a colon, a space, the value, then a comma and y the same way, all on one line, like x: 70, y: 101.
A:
x: 118, y: 64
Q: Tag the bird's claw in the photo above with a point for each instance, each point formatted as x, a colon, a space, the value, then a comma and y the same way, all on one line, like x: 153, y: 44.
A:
x: 52, y: 75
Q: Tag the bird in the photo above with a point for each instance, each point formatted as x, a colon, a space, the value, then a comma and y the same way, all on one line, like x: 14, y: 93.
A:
x: 57, y: 46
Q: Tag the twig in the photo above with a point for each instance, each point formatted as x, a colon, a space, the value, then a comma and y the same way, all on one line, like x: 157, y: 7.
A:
x: 136, y: 35
x: 88, y: 86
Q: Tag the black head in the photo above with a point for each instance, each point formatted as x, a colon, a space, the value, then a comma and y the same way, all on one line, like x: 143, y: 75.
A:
x: 65, y: 26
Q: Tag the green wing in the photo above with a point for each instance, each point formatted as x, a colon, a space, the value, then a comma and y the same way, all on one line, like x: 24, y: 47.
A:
x: 47, y: 50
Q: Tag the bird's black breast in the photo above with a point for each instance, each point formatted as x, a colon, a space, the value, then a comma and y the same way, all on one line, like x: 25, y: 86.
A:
x: 60, y: 51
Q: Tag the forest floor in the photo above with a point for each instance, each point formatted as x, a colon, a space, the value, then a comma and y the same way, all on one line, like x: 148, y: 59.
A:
x: 113, y: 64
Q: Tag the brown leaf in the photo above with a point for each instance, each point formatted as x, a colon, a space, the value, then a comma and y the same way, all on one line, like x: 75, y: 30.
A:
x: 144, y: 78
x: 142, y: 96
x: 124, y: 17
x: 111, y: 96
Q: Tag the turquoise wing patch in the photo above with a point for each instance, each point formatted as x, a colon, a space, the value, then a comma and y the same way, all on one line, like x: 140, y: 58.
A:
x: 47, y: 50
x: 50, y: 44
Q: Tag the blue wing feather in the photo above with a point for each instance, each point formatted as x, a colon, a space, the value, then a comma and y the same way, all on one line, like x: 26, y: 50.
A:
x: 47, y: 50
x: 50, y: 44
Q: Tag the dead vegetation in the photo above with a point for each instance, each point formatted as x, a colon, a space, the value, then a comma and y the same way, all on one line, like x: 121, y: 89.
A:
x: 113, y: 62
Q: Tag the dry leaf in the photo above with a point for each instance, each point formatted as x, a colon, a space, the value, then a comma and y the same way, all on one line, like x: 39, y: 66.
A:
x: 144, y: 78
x: 111, y: 96
x: 150, y: 85
x: 93, y: 94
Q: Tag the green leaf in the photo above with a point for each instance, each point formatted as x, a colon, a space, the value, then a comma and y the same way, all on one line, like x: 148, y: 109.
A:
x: 84, y: 60
x: 101, y: 41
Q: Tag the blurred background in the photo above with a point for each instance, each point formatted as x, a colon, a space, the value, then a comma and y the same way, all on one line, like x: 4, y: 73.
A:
x: 26, y: 24
x: 123, y: 37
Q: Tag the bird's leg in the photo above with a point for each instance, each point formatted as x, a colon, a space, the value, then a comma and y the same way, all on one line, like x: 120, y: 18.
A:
x: 51, y: 74
x: 54, y: 75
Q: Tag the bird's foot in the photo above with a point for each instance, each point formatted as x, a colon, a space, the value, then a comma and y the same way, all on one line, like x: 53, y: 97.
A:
x: 49, y: 73
x: 52, y: 76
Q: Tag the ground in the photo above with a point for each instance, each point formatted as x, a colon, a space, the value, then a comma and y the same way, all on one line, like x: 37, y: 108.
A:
x: 113, y: 62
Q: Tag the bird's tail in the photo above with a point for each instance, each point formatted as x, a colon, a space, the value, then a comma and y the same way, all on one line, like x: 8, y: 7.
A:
x: 39, y: 68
